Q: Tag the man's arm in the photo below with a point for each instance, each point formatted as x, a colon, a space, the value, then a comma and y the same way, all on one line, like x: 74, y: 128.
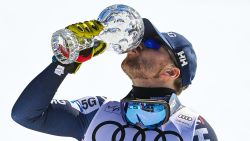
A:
x: 34, y: 110
x: 203, y: 131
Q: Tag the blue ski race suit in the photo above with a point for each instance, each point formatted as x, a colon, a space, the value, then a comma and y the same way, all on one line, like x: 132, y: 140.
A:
x: 95, y: 118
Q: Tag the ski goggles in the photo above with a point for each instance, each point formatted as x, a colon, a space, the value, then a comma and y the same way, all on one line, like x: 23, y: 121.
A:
x: 152, y: 43
x: 147, y: 113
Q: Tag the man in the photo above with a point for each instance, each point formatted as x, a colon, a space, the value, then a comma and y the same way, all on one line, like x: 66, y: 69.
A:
x: 161, y: 67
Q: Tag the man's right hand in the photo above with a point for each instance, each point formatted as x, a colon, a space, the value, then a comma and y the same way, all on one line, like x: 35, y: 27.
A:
x: 86, y: 30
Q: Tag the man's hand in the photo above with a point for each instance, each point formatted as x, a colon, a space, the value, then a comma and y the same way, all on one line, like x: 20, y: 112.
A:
x: 86, y: 30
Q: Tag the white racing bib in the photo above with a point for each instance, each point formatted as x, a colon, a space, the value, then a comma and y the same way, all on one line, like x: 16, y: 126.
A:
x: 108, y: 125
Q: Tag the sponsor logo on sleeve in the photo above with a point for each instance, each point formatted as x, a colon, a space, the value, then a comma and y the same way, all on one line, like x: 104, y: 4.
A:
x: 87, y: 104
x: 185, y: 120
x: 59, y: 70
x: 185, y: 117
x: 201, y: 132
x: 55, y: 101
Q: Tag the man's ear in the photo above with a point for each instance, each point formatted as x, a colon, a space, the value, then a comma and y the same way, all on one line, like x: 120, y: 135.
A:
x: 171, y: 72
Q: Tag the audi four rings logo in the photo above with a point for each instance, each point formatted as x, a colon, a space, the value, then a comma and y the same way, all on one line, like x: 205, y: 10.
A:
x: 140, y: 132
x: 185, y: 117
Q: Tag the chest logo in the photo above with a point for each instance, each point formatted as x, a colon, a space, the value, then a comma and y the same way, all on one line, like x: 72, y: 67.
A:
x: 140, y: 132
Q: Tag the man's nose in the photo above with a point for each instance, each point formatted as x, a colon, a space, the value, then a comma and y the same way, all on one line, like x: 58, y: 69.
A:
x: 140, y: 47
x: 136, y: 50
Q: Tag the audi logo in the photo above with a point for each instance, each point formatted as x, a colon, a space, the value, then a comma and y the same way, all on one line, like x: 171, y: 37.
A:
x: 185, y: 117
x: 140, y: 132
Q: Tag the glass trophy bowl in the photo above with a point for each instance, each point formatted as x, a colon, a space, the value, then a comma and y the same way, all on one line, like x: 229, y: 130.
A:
x: 123, y: 27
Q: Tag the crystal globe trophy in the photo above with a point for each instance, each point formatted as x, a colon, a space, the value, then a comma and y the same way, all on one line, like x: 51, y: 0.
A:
x: 123, y: 31
x: 124, y: 27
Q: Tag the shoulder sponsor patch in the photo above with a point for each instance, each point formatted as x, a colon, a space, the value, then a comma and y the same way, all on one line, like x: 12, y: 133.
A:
x: 185, y: 118
x: 86, y: 105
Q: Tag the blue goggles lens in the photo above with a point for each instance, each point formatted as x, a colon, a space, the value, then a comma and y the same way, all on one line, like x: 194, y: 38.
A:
x: 146, y: 113
x: 152, y: 43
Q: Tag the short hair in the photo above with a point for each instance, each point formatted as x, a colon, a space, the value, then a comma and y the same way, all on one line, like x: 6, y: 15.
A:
x: 178, y: 86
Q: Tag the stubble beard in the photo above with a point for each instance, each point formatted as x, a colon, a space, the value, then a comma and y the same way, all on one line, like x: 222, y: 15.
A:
x: 139, y: 68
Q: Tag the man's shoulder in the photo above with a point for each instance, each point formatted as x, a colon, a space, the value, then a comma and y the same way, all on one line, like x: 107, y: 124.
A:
x: 187, y: 118
x: 204, y: 131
